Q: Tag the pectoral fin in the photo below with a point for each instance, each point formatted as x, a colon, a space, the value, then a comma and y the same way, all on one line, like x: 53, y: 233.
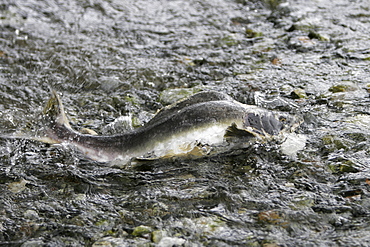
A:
x: 233, y: 132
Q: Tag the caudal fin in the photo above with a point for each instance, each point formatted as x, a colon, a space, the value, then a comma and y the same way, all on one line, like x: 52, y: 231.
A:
x: 54, y: 111
x: 53, y: 128
x: 58, y: 127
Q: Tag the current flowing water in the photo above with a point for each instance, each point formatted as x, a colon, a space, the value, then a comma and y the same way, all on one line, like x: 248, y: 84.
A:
x: 113, y: 59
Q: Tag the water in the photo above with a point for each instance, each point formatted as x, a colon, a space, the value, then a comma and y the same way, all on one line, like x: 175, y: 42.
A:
x: 126, y: 58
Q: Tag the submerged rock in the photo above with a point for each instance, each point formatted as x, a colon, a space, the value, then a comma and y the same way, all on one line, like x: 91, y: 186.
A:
x: 141, y: 231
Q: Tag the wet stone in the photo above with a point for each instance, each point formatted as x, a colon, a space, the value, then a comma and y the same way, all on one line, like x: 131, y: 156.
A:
x: 33, y: 243
x: 31, y: 214
x: 116, y: 63
x: 141, y: 231
x: 110, y: 242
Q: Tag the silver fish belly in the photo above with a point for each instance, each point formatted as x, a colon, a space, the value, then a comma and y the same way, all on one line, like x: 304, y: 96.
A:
x: 207, y: 118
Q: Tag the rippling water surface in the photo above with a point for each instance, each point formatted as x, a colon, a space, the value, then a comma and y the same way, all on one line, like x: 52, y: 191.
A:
x: 130, y: 58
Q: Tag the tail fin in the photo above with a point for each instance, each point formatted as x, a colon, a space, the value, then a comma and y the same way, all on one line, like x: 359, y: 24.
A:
x: 53, y: 128
x: 54, y: 111
x: 55, y: 118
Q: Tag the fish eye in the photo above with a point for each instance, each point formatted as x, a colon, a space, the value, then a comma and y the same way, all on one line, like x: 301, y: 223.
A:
x: 282, y: 119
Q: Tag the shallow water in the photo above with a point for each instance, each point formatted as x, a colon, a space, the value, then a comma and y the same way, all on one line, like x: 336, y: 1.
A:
x: 119, y: 58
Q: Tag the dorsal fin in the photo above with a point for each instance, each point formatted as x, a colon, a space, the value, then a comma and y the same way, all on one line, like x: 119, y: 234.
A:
x: 197, y: 98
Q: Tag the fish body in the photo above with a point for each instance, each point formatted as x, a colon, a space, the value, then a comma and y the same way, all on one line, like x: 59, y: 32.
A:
x: 204, y: 118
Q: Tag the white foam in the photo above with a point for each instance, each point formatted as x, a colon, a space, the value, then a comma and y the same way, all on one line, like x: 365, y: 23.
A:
x: 293, y: 143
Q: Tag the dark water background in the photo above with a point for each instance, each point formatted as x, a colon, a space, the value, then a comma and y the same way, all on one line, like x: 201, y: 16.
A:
x: 114, y: 58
